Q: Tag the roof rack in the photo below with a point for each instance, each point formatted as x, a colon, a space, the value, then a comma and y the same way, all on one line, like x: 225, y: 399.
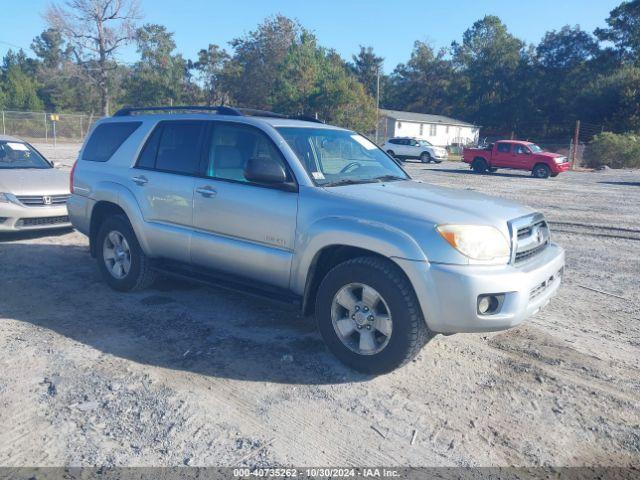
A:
x: 221, y: 109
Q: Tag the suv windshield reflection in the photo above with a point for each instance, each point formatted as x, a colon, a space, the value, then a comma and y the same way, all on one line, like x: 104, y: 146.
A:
x: 20, y: 155
x: 340, y: 157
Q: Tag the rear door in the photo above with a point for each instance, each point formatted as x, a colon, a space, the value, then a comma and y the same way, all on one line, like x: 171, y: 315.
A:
x: 502, y: 155
x: 241, y: 227
x: 163, y: 181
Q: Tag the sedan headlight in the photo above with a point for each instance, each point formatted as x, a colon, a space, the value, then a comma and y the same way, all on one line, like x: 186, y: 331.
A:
x: 478, y: 242
x: 560, y: 159
x: 4, y: 198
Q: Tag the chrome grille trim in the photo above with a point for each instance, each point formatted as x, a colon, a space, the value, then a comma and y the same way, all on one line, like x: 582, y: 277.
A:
x: 523, y: 245
x: 40, y: 200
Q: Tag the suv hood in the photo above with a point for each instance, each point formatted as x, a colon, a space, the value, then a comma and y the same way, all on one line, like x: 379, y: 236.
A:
x: 439, y: 205
x: 34, y: 181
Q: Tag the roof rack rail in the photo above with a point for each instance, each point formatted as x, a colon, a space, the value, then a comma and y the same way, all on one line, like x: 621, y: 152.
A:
x: 220, y: 109
x: 306, y: 118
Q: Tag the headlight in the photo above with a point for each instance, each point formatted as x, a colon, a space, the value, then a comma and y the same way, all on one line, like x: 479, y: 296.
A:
x: 560, y: 159
x: 4, y: 198
x: 478, y: 242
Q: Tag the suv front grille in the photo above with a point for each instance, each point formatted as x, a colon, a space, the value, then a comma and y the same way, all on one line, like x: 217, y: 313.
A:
x: 37, y: 221
x: 42, y: 200
x: 530, y: 239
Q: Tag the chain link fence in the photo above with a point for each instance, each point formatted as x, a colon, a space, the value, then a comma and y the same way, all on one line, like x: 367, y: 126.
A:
x: 44, y: 127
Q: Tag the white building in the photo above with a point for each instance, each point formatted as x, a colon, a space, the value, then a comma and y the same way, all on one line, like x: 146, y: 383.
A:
x: 437, y: 129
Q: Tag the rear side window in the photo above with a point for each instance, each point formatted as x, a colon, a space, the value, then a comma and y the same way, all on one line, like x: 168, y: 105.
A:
x: 174, y: 147
x: 147, y: 158
x: 504, y: 147
x: 106, y: 139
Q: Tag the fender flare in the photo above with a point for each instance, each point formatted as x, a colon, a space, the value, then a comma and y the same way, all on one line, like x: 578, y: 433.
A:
x: 116, y: 193
x: 377, y: 237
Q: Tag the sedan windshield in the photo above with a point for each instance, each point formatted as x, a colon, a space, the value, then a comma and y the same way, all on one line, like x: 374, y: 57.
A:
x: 20, y: 155
x: 340, y: 157
x: 535, y: 148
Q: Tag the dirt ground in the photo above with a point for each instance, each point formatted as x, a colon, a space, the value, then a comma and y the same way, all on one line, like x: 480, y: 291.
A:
x: 189, y: 375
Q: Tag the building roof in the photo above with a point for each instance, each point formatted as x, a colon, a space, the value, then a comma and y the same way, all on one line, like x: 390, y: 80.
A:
x: 424, y: 118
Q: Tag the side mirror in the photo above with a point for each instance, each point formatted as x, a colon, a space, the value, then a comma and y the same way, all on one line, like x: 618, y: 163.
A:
x: 265, y: 170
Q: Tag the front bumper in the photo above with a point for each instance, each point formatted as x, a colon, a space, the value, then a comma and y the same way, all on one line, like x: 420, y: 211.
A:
x: 448, y: 294
x: 14, y: 217
x: 560, y: 167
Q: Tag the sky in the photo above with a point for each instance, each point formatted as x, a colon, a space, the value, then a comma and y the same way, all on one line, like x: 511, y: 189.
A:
x: 391, y: 27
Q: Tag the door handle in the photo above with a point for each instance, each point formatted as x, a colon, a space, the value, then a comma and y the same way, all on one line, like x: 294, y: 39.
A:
x: 206, y: 191
x: 140, y: 180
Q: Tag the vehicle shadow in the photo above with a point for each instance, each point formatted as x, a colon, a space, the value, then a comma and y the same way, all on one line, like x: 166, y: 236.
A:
x: 32, y: 234
x: 524, y: 174
x: 625, y: 184
x: 175, y: 325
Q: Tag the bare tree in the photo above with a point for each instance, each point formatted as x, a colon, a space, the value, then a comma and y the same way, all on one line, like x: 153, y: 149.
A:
x: 96, y: 29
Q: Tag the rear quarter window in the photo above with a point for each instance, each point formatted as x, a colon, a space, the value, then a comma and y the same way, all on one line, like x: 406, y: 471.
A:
x: 106, y: 139
x: 504, y: 147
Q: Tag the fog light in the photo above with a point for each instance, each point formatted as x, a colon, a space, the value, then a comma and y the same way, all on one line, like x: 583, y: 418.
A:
x: 490, y: 304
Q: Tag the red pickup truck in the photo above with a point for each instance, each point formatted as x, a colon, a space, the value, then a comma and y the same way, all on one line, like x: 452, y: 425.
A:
x: 516, y: 155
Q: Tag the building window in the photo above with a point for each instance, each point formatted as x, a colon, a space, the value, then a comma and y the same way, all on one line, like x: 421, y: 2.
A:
x: 421, y: 129
x: 432, y: 130
x: 399, y: 125
x: 447, y: 129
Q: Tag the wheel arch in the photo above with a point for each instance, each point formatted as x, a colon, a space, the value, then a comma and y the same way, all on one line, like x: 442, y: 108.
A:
x: 113, y: 199
x: 332, y: 240
x: 328, y: 258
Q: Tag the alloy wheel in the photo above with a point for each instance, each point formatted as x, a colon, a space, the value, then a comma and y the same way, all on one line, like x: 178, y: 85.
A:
x: 361, y: 319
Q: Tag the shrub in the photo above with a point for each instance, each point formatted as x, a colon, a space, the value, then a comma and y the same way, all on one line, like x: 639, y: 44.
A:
x: 614, y: 150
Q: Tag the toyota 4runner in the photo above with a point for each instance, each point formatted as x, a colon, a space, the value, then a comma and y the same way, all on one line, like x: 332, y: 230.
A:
x: 312, y: 214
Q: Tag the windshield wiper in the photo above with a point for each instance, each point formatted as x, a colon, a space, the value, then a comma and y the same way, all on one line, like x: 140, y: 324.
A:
x: 348, y: 181
x: 388, y: 178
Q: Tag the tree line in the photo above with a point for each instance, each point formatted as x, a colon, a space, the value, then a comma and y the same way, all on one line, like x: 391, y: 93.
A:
x: 488, y: 77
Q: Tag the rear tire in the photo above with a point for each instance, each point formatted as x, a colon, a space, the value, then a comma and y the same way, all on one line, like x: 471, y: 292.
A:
x: 541, y: 171
x: 479, y: 165
x: 123, y: 264
x: 342, y: 327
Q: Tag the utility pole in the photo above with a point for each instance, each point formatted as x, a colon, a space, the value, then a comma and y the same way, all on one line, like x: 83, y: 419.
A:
x: 377, y: 102
x: 576, y: 138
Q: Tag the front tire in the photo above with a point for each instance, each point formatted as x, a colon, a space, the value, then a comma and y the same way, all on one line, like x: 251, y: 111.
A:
x: 369, y: 316
x: 391, y: 153
x: 541, y: 171
x: 425, y: 157
x: 123, y: 264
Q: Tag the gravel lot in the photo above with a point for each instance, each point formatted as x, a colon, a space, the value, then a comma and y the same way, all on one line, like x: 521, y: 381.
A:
x: 188, y: 375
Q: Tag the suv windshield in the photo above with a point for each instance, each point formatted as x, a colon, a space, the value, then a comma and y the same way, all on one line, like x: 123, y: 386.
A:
x: 424, y: 143
x: 339, y: 157
x: 20, y: 155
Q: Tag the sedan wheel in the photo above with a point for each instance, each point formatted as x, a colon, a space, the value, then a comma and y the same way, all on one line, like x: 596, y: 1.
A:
x: 361, y: 319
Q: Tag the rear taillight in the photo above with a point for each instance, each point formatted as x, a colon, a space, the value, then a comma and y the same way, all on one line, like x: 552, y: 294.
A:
x: 73, y: 170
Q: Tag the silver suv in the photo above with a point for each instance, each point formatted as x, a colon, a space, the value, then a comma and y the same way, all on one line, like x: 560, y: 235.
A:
x: 309, y: 213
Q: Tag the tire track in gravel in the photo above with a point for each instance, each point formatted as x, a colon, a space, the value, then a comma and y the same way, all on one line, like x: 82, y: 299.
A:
x: 291, y: 430
x: 596, y: 230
